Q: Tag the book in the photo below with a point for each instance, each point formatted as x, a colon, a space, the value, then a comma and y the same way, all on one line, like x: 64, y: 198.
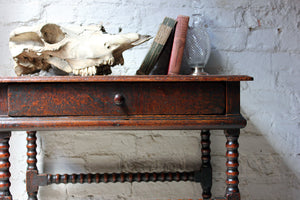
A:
x: 157, y: 46
x: 178, y: 44
x: 162, y: 64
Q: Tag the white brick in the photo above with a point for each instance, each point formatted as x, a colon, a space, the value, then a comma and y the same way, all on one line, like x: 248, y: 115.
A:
x: 19, y: 12
x: 133, y: 59
x: 289, y: 40
x: 254, y: 64
x: 219, y: 17
x: 18, y: 164
x: 52, y: 192
x: 271, y: 14
x: 161, y: 153
x: 217, y: 62
x: 63, y: 13
x: 101, y: 191
x: 171, y: 190
x: 229, y: 39
x: 159, y: 4
x: 90, y: 143
x: 110, y: 15
x: 151, y: 18
x: 220, y: 4
x: 286, y: 66
x: 263, y: 40
x: 62, y: 165
x: 287, y: 133
x: 103, y: 164
x: 249, y: 19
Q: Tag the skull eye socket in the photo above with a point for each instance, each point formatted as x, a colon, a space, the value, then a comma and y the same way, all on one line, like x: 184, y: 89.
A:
x: 107, y: 45
x: 52, y: 33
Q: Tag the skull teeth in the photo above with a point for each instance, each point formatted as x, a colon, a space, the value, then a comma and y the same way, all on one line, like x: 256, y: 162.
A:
x: 88, y: 71
x: 92, y: 70
x: 111, y: 61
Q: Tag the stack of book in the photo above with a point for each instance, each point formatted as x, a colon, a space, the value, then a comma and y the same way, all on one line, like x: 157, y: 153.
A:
x: 166, y: 52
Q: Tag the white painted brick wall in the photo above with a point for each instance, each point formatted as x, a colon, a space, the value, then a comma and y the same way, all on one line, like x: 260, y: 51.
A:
x: 253, y: 37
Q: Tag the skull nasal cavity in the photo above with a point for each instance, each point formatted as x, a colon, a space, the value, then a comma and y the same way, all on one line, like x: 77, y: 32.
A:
x: 52, y: 33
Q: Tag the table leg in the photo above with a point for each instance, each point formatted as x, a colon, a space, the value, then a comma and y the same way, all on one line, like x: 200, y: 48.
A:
x: 232, y: 181
x: 31, y: 165
x: 205, y: 170
x: 4, y: 166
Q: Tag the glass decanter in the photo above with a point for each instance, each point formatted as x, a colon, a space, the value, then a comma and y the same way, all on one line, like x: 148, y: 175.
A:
x: 197, y: 45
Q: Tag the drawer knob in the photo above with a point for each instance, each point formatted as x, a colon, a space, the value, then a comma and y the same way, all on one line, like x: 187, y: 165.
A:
x: 119, y: 99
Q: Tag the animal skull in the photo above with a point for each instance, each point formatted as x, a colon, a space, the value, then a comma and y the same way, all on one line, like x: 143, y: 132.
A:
x: 76, y: 50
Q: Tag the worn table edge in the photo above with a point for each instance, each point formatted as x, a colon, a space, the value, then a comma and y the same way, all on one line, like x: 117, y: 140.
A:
x: 135, y: 78
x: 113, y: 122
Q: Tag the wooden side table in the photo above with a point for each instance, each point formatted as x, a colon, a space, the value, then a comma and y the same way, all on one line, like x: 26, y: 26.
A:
x: 121, y: 102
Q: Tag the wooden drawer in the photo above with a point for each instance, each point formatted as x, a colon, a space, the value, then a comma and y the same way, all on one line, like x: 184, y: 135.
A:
x: 97, y: 98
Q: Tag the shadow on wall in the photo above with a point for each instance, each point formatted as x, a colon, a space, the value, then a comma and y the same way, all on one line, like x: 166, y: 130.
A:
x: 121, y: 151
x: 263, y: 173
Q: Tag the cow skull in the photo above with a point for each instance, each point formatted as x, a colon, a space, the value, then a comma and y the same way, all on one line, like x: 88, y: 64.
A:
x: 75, y: 50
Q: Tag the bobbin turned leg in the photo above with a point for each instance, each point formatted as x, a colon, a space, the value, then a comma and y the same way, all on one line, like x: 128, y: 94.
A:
x: 31, y: 165
x: 205, y: 171
x: 4, y: 166
x: 232, y: 181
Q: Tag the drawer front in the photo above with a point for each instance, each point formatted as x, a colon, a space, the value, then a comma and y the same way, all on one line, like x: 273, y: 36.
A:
x: 133, y: 98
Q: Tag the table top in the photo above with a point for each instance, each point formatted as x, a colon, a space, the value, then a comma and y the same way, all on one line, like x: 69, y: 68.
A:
x: 136, y: 78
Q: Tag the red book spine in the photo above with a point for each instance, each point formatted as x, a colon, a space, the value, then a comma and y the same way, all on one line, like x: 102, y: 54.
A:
x: 178, y: 44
